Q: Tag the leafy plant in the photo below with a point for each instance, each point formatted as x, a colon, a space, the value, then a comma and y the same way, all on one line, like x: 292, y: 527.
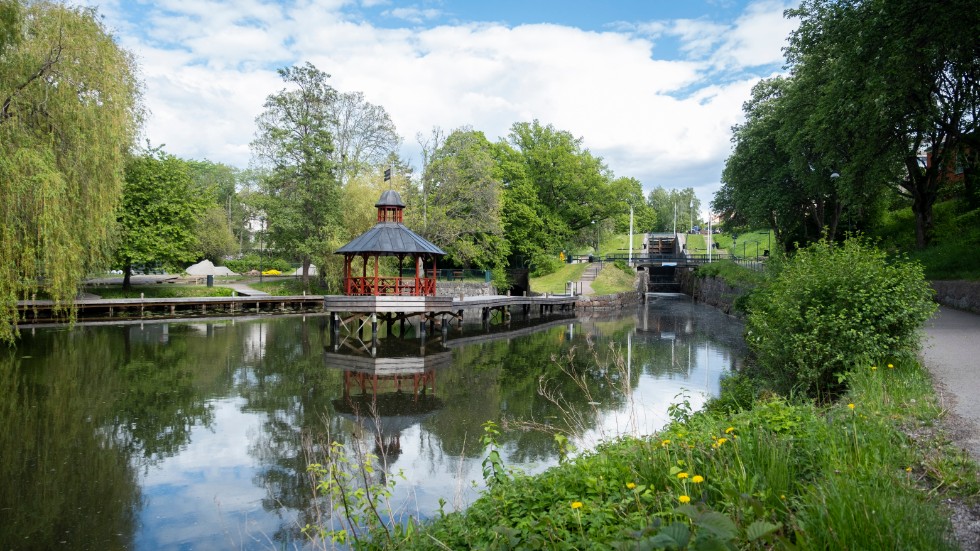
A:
x: 831, y: 308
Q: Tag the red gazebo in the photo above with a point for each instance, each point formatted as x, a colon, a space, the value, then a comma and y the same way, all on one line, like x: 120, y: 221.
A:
x: 390, y: 237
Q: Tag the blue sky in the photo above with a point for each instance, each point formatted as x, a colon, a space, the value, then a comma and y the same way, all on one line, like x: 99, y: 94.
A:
x: 653, y: 87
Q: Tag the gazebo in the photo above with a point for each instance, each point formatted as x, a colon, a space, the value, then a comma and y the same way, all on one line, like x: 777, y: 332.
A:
x: 390, y: 237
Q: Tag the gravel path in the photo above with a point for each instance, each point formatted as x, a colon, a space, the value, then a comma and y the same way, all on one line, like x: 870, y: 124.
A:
x: 951, y: 352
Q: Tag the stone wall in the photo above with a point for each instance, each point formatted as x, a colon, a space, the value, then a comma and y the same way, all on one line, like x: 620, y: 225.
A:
x: 962, y: 295
x: 457, y: 288
x: 712, y: 291
x: 609, y: 302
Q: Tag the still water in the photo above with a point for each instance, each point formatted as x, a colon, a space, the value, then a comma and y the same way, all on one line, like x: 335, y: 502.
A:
x: 190, y: 435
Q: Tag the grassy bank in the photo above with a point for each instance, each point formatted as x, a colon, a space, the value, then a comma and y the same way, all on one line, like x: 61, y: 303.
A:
x: 866, y: 472
x: 829, y: 439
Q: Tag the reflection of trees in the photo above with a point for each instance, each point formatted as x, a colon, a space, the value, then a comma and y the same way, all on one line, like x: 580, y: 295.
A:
x: 154, y: 416
x: 289, y: 385
x: 64, y: 483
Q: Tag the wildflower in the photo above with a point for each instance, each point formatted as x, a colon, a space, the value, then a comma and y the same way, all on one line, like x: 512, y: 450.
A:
x: 874, y: 368
x: 729, y: 430
x: 665, y: 443
x: 682, y: 475
x: 890, y: 366
x: 908, y: 469
x: 851, y: 406
x: 722, y: 441
x: 781, y: 496
x: 684, y: 499
x: 697, y: 479
x: 630, y: 485
x: 576, y: 505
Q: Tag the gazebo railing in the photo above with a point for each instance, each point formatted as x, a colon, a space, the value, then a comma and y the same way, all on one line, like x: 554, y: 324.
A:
x: 387, y: 286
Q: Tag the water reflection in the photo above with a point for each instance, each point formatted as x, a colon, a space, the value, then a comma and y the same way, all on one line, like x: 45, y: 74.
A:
x: 179, y: 435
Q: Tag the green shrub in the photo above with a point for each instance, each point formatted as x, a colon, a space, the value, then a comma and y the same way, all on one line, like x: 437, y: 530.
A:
x: 622, y: 265
x: 544, y: 264
x: 833, y: 307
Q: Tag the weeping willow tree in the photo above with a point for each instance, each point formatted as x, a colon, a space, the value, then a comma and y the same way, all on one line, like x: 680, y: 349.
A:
x: 69, y: 110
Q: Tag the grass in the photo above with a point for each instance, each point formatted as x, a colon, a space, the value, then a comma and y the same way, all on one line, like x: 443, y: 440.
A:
x: 774, y: 475
x: 732, y: 273
x: 286, y: 286
x: 612, y: 279
x: 956, y: 240
x: 159, y: 291
x: 555, y: 282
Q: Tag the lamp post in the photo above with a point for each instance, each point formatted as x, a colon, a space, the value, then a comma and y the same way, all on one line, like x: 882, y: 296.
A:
x: 630, y: 256
x: 261, y: 250
x: 692, y: 215
x: 596, y: 226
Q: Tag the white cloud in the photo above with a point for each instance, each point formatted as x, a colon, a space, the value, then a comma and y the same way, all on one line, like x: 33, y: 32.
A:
x: 210, y: 65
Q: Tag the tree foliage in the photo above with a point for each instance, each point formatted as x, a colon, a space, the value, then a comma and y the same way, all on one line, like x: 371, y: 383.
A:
x: 681, y: 205
x: 69, y: 110
x: 833, y: 308
x: 881, y: 96
x: 294, y: 142
x: 159, y: 215
x: 363, y: 134
x: 555, y: 191
x: 463, y: 201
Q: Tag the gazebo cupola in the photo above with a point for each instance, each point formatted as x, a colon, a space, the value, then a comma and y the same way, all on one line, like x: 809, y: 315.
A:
x: 389, y: 237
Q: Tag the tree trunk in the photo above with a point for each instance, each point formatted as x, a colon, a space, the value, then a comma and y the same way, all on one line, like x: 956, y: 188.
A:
x: 127, y: 272
x: 306, y: 274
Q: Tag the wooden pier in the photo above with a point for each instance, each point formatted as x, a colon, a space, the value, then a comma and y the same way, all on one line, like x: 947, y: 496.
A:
x: 43, y: 311
x: 343, y: 309
x: 354, y: 313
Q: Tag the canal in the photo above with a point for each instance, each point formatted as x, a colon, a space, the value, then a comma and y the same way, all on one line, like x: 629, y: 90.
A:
x: 193, y: 435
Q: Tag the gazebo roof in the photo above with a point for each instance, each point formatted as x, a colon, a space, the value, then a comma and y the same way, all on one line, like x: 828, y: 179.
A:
x: 390, y: 198
x: 390, y: 239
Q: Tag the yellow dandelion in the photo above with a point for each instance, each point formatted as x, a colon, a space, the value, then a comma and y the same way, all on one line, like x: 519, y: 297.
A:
x: 697, y: 479
x: 851, y: 406
x: 908, y: 469
x: 665, y: 443
x: 722, y: 441
x: 684, y: 499
x: 874, y: 368
x: 576, y: 505
x: 890, y: 366
x: 729, y: 430
x: 682, y: 475
x: 630, y: 485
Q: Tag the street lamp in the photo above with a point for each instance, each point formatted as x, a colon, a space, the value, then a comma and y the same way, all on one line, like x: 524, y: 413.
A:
x: 261, y: 250
x: 596, y: 226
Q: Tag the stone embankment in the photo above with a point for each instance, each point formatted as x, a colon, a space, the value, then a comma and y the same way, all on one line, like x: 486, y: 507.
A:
x: 712, y: 291
x: 962, y: 295
x: 609, y: 302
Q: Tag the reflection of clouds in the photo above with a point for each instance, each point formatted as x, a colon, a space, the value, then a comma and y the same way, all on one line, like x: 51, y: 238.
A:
x: 204, y: 498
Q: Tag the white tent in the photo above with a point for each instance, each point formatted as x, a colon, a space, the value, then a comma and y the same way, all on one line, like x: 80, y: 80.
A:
x: 206, y: 267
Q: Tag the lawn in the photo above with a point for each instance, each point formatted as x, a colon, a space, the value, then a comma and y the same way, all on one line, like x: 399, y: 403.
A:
x: 555, y: 282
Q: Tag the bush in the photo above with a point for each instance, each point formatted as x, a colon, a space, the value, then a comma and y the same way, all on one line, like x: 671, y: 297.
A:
x: 833, y: 307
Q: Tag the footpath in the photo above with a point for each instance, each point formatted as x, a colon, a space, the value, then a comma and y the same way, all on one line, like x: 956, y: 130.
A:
x: 951, y: 352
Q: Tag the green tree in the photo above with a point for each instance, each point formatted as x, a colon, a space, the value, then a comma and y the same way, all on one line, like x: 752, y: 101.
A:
x: 159, y: 213
x: 902, y: 89
x: 548, y: 173
x: 301, y: 194
x: 363, y: 134
x: 464, y: 201
x: 69, y: 109
x: 681, y: 205
x: 224, y: 183
x: 629, y: 193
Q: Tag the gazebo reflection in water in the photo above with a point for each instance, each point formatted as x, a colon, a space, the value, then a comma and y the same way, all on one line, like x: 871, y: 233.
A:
x: 384, y: 396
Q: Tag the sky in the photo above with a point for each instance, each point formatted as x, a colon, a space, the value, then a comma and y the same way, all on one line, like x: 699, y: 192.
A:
x: 652, y: 87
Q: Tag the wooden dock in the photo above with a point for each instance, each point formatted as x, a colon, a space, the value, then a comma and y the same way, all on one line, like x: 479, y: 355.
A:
x: 353, y: 313
x: 344, y: 309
